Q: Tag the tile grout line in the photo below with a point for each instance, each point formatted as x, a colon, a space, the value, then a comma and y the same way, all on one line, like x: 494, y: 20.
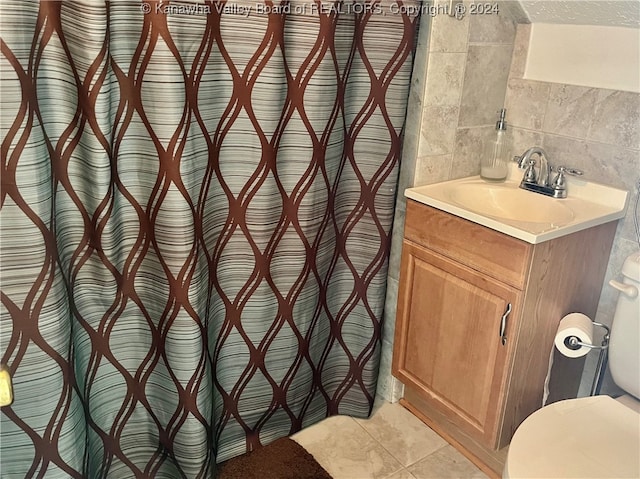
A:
x: 403, y: 466
x: 381, y: 445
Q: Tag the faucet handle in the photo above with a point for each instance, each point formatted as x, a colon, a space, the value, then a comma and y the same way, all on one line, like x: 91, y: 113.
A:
x: 569, y: 171
x: 530, y: 172
x: 560, y: 183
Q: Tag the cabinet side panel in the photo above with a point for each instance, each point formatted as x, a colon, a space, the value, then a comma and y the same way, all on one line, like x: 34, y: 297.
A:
x: 566, y: 276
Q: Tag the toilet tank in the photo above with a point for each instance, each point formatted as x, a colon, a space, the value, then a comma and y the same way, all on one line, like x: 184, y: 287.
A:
x: 624, y: 345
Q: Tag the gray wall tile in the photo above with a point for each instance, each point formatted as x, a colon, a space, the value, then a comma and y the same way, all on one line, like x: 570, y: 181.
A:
x: 522, y: 140
x: 520, y: 50
x: 492, y: 27
x: 390, y: 308
x: 617, y: 119
x: 526, y: 103
x: 444, y: 79
x: 449, y: 34
x: 485, y: 80
x: 432, y: 169
x: 470, y: 143
x: 570, y: 110
x: 396, y: 237
x: 438, y: 130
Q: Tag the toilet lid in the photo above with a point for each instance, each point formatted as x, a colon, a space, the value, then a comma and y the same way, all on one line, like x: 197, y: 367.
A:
x: 593, y: 437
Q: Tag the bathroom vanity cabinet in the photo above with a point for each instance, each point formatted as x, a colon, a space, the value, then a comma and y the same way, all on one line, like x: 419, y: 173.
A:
x: 477, y: 314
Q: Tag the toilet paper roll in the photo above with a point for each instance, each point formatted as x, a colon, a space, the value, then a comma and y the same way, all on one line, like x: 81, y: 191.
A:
x: 574, y: 325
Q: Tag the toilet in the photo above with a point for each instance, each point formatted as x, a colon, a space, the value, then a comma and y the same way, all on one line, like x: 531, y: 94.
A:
x: 597, y: 436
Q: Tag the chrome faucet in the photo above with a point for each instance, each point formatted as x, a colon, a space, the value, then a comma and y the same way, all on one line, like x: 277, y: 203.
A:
x: 540, y: 182
x: 544, y: 168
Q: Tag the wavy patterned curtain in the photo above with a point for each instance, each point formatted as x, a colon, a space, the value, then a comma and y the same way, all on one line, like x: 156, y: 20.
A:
x: 196, y: 204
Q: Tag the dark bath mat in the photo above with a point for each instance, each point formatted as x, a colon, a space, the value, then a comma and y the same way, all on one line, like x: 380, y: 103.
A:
x: 282, y: 459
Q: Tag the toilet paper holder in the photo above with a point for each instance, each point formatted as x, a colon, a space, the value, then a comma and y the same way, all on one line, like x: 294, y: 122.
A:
x: 572, y: 342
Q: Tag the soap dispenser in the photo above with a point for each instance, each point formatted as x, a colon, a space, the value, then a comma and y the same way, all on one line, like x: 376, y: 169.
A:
x: 494, y: 164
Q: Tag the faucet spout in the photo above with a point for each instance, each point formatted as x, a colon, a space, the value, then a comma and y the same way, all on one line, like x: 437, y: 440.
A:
x: 544, y: 166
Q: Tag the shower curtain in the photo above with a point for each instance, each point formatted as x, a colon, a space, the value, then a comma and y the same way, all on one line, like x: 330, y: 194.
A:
x: 196, y: 205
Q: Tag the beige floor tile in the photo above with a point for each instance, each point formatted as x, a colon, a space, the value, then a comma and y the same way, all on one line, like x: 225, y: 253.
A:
x: 402, y: 474
x: 346, y: 450
x: 401, y: 433
x: 446, y: 463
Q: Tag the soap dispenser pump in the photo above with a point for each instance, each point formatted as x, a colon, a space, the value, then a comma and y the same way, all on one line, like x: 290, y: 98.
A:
x: 494, y: 165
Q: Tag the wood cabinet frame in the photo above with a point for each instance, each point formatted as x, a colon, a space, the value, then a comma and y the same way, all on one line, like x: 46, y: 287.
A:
x: 543, y: 282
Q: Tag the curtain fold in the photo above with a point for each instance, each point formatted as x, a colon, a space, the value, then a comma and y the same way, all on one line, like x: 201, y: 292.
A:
x: 196, y: 205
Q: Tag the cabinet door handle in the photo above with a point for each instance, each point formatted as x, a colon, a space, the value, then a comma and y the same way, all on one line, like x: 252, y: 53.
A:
x: 503, y: 324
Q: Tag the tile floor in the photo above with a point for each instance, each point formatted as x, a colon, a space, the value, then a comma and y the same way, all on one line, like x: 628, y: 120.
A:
x: 391, y: 444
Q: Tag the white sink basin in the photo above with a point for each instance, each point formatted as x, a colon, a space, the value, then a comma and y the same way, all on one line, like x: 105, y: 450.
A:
x: 515, y: 204
x: 526, y: 215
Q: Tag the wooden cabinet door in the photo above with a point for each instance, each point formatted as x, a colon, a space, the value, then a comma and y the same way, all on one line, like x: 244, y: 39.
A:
x: 448, y: 344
